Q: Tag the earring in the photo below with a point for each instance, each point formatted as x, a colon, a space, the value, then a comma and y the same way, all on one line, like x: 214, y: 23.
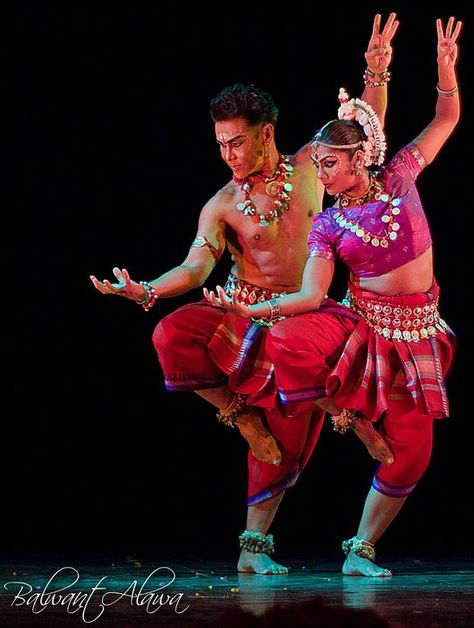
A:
x: 358, y: 169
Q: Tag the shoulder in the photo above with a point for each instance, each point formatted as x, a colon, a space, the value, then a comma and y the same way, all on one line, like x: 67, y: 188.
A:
x: 302, y: 158
x: 218, y: 204
x: 325, y: 217
x: 323, y: 223
x: 408, y: 162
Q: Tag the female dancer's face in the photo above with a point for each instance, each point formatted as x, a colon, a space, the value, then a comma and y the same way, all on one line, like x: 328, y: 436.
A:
x: 334, y: 168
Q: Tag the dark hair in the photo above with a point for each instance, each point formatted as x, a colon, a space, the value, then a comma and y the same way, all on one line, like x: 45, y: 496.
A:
x: 246, y: 101
x: 340, y: 133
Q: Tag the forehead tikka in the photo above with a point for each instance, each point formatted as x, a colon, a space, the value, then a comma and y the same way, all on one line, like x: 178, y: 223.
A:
x: 229, y: 137
x: 317, y: 157
x: 337, y: 157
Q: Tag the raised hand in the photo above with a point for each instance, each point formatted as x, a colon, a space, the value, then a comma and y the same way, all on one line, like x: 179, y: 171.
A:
x: 229, y: 303
x: 447, y: 46
x: 124, y: 287
x: 379, y: 50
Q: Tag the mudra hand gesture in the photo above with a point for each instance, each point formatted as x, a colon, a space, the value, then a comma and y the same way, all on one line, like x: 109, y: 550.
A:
x: 447, y: 47
x: 379, y: 50
x: 124, y: 287
x: 229, y: 303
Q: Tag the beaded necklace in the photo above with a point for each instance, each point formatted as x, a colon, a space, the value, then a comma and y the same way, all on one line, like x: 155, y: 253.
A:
x: 276, y: 187
x: 376, y: 192
x: 375, y: 187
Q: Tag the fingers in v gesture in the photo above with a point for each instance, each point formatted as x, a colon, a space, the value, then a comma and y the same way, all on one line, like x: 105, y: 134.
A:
x: 447, y: 38
x: 379, y: 50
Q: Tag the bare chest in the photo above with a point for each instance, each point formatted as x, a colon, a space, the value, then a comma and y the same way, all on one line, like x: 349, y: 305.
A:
x: 264, y: 220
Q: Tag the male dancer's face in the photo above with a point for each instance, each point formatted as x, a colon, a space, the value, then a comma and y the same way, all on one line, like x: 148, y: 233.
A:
x: 241, y: 146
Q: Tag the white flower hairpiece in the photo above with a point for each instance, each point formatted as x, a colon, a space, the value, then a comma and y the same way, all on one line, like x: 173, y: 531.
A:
x: 356, y: 109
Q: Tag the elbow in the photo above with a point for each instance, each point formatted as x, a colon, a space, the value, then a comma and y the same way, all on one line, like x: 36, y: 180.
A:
x: 199, y: 276
x: 196, y: 275
x: 452, y: 122
x: 452, y: 118
x: 449, y: 116
x: 317, y: 300
x: 201, y: 279
x: 311, y: 303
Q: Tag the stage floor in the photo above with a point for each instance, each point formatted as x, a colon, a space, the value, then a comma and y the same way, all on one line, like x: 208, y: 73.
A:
x: 424, y: 592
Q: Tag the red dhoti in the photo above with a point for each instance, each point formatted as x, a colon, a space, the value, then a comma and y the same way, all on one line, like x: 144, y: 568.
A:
x: 386, y: 359
x: 200, y: 346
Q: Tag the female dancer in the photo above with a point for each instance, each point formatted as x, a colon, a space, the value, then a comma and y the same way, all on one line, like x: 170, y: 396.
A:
x: 390, y: 349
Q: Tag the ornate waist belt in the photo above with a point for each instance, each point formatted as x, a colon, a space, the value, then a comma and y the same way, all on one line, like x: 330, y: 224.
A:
x: 247, y: 292
x: 397, y: 321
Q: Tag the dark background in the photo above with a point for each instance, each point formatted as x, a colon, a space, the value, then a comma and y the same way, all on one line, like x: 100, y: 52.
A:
x: 116, y: 155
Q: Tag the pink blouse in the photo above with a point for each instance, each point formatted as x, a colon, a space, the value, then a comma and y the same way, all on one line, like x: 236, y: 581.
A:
x: 330, y: 237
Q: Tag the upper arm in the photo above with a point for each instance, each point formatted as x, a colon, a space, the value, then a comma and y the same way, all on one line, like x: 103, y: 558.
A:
x: 211, y: 230
x: 432, y: 138
x: 317, y: 277
x: 304, y: 163
x: 408, y: 162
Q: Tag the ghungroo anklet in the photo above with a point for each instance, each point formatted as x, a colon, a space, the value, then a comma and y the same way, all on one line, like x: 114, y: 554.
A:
x: 229, y: 415
x: 359, y: 546
x: 342, y: 422
x: 257, y: 542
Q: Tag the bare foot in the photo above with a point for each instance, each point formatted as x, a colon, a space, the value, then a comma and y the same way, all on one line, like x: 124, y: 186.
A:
x: 356, y: 565
x: 261, y: 442
x: 376, y: 444
x: 259, y: 563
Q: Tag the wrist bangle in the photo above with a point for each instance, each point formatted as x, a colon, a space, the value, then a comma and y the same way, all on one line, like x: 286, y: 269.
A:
x: 274, y: 316
x: 383, y: 78
x: 371, y: 74
x: 275, y: 309
x: 447, y: 93
x: 150, y: 298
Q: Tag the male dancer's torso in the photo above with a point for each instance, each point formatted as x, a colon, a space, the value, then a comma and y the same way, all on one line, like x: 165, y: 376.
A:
x: 273, y: 256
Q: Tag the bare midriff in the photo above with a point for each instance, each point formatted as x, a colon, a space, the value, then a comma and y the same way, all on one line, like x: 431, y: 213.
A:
x: 414, y: 276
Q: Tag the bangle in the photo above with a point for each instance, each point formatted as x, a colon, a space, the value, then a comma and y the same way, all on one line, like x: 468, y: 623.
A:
x: 275, y: 309
x: 274, y: 316
x: 447, y: 93
x: 384, y: 78
x: 383, y: 74
x: 150, y: 298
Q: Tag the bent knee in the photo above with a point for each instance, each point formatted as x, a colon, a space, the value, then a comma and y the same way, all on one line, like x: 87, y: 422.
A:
x: 409, y: 466
x: 173, y: 329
